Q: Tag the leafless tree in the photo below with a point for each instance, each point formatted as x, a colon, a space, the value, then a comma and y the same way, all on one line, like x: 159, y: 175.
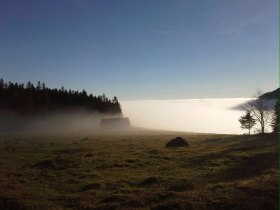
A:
x: 260, y: 108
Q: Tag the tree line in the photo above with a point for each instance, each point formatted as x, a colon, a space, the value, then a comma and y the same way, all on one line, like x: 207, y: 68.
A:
x: 258, y: 111
x: 31, y: 99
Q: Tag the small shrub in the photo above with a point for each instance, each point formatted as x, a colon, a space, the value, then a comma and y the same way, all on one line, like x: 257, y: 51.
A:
x: 148, y: 181
x: 91, y: 186
x: 177, y: 142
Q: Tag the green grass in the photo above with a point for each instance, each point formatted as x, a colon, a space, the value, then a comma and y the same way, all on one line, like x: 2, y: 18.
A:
x: 138, y: 172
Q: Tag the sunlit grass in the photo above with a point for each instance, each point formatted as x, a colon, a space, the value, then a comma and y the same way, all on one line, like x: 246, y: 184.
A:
x: 138, y: 172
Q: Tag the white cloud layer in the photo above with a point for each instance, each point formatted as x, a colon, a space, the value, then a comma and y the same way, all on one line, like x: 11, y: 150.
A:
x: 195, y: 115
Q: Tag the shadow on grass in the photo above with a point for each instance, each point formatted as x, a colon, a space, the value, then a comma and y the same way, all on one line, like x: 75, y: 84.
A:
x: 248, y: 166
x: 10, y: 204
x: 57, y: 163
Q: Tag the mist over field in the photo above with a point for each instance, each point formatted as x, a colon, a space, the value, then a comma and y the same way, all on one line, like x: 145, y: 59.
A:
x: 195, y: 115
x: 191, y: 115
x: 53, y: 122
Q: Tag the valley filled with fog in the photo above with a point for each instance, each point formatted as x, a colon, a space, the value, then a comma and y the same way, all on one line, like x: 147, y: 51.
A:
x: 194, y: 115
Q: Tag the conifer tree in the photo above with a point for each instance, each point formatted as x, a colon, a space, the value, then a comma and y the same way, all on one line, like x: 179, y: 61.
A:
x: 247, y: 121
x: 27, y: 99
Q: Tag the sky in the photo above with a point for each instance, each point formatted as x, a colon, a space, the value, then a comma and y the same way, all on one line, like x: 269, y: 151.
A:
x: 142, y: 49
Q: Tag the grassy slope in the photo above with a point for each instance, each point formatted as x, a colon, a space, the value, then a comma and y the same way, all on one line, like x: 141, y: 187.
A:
x: 138, y: 172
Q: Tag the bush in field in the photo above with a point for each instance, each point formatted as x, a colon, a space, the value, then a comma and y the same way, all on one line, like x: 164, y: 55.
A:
x: 177, y: 142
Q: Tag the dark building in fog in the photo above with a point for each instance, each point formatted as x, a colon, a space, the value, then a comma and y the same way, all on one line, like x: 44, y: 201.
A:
x: 115, y: 124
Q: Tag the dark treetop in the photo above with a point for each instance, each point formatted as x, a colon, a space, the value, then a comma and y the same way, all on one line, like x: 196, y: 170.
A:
x: 271, y: 95
x: 28, y: 99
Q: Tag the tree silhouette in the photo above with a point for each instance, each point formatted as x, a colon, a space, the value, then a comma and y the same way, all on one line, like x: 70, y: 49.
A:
x: 26, y: 99
x: 247, y: 121
x: 260, y: 109
x: 275, y: 118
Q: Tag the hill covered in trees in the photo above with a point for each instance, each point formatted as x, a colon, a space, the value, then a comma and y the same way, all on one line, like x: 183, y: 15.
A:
x: 28, y: 99
x: 271, y: 95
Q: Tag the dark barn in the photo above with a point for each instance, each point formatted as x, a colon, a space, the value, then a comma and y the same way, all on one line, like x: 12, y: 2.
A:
x: 115, y: 124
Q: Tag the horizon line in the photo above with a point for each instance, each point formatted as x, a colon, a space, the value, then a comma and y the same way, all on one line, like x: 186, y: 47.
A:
x: 183, y: 99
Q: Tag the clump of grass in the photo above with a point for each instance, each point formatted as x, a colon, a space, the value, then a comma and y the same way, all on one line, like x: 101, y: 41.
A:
x: 92, y: 186
x: 182, y: 185
x: 114, y: 199
x: 169, y: 204
x: 58, y: 163
x: 148, y: 181
x: 177, y: 142
x: 89, y: 155
x: 153, y: 152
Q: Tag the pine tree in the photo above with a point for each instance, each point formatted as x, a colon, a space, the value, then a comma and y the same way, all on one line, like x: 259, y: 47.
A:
x: 1, y: 84
x: 115, y: 100
x: 247, y: 121
x: 39, y: 87
x: 27, y: 99
x: 29, y: 85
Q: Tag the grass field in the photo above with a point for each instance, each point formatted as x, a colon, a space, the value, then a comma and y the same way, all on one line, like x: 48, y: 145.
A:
x: 216, y: 172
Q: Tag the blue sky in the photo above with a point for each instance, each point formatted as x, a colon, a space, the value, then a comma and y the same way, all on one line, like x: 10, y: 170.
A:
x: 142, y: 49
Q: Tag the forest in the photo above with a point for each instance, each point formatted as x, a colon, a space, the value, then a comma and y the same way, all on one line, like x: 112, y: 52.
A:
x: 30, y: 99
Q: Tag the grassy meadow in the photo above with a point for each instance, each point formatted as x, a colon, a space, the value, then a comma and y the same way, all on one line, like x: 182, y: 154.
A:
x: 136, y: 171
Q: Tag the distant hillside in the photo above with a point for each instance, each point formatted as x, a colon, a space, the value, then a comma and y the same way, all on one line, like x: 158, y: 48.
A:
x: 29, y: 100
x: 271, y: 95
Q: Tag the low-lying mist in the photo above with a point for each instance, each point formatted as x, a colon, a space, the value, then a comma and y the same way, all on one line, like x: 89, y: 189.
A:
x: 190, y: 115
x: 194, y: 115
x: 53, y: 122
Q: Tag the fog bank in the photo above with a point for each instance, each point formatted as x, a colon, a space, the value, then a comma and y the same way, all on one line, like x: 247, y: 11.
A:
x: 53, y: 122
x: 195, y: 115
x: 191, y: 115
